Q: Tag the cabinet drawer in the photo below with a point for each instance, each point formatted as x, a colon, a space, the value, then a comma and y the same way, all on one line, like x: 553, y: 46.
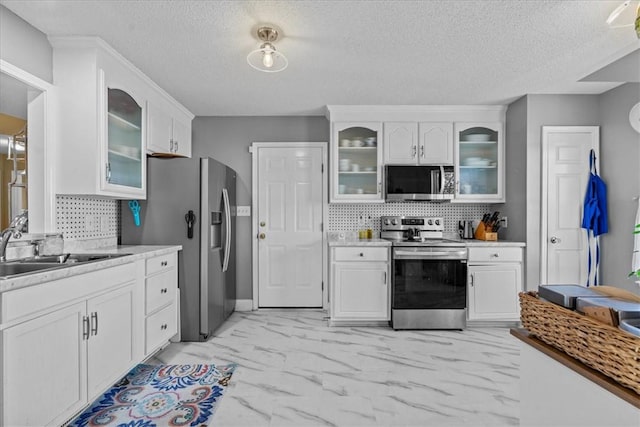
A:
x: 494, y: 254
x: 160, y: 290
x: 160, y: 327
x: 360, y: 253
x: 161, y: 263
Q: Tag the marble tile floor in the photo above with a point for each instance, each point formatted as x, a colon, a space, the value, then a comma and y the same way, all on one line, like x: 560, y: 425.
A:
x: 294, y: 370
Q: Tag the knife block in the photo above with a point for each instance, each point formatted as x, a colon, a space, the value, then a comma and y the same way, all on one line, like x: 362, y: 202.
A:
x: 483, y: 234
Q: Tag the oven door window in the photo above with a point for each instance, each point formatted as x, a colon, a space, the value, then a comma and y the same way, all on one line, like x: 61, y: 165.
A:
x: 429, y: 284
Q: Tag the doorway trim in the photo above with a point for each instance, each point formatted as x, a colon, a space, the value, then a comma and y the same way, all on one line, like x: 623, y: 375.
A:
x: 254, y: 217
x: 544, y: 223
x: 46, y: 222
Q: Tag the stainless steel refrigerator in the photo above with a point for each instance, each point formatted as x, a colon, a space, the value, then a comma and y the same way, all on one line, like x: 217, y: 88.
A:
x: 192, y: 202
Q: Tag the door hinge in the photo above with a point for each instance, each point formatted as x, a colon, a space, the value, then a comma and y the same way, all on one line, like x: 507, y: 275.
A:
x: 323, y: 285
x: 322, y: 226
x: 322, y: 168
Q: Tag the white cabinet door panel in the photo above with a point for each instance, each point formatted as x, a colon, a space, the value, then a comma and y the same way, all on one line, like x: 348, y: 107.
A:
x: 400, y: 143
x: 44, y: 376
x: 436, y: 143
x: 361, y: 291
x: 111, y: 348
x: 493, y: 291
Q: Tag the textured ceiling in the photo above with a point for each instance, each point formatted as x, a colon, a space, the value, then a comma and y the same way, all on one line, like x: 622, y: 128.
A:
x: 350, y: 52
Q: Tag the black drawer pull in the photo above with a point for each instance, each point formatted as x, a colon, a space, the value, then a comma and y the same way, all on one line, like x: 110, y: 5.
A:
x: 164, y: 263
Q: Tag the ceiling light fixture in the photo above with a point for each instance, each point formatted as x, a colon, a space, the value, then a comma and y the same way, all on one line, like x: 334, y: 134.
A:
x: 623, y: 16
x: 266, y: 58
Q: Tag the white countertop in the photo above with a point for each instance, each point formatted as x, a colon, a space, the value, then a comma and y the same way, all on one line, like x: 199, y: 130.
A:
x: 136, y: 252
x: 351, y: 239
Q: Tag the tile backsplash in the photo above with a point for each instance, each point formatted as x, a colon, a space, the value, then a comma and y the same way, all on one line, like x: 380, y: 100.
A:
x: 87, y: 217
x: 344, y: 217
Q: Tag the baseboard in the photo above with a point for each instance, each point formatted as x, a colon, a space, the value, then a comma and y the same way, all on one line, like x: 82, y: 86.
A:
x: 244, y: 305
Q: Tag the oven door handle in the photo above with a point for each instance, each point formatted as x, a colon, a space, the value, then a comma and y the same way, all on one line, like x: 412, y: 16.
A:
x: 461, y: 255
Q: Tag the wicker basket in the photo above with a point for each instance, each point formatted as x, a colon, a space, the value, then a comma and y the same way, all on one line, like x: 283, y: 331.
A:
x: 609, y: 350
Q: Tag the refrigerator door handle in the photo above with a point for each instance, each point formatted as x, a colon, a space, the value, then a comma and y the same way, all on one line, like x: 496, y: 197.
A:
x: 227, y: 217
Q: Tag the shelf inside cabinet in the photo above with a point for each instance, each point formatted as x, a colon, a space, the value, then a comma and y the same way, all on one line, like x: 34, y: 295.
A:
x: 122, y: 123
x: 356, y: 149
x: 357, y: 173
x: 129, y: 156
x: 478, y: 142
x: 478, y: 167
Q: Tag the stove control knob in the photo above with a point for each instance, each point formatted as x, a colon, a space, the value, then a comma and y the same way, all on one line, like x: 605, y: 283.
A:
x: 437, y: 222
x: 386, y: 221
x: 430, y: 222
x: 394, y: 221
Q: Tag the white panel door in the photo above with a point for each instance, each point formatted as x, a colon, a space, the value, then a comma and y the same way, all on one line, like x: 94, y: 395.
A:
x: 111, y: 347
x: 290, y: 211
x: 400, y: 143
x: 565, y: 174
x: 43, y: 372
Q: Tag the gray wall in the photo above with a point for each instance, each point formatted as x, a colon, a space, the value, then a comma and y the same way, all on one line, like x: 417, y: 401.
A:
x: 515, y: 174
x: 25, y: 46
x: 619, y: 163
x: 227, y: 139
x: 547, y: 110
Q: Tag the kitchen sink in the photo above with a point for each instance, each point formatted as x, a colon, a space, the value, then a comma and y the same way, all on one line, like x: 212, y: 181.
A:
x: 70, y: 258
x: 12, y: 269
x: 34, y: 265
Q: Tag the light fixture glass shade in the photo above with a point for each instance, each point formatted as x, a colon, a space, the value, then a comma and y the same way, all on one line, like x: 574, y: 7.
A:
x: 267, y: 59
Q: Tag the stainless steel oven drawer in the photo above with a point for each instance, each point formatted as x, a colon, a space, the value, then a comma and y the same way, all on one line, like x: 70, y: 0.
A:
x: 361, y: 253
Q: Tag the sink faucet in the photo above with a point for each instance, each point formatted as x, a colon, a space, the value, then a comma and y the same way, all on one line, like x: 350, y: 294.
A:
x: 15, y: 229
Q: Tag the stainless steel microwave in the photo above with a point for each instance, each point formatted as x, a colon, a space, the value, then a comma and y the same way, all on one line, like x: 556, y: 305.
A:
x: 415, y: 183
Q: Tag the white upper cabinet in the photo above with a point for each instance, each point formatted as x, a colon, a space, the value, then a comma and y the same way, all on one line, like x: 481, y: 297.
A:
x: 169, y: 130
x: 413, y: 143
x: 356, y: 162
x: 480, y: 162
x: 401, y: 143
x: 436, y: 143
x: 103, y: 113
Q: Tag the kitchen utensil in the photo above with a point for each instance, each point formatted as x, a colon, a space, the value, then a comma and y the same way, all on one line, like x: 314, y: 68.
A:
x: 355, y: 167
x: 370, y: 142
x: 342, y: 189
x: 344, y: 165
x: 359, y: 191
x: 345, y: 143
x: 465, y: 229
x: 134, y: 205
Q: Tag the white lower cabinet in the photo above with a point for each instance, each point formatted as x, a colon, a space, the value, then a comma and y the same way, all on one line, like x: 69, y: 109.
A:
x: 161, y: 307
x: 65, y: 341
x: 57, y: 362
x: 360, y: 284
x: 44, y: 379
x: 494, y: 282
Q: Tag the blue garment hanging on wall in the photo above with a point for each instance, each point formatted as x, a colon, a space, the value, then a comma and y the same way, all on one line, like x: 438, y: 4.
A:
x: 594, y: 216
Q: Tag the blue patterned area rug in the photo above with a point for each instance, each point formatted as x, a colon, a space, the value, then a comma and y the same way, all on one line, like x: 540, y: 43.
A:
x: 160, y: 395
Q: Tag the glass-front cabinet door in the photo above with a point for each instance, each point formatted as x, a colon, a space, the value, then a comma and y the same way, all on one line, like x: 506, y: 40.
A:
x: 356, y: 162
x: 479, y: 162
x: 124, y: 142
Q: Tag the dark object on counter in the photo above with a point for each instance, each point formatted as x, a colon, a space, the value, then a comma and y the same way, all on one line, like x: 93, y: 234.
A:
x: 566, y: 295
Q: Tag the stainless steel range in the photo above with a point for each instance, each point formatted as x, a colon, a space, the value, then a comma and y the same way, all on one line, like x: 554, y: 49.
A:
x: 429, y: 274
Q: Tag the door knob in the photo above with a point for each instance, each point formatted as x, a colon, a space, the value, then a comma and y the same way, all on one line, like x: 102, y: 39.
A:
x: 554, y: 240
x: 262, y: 236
